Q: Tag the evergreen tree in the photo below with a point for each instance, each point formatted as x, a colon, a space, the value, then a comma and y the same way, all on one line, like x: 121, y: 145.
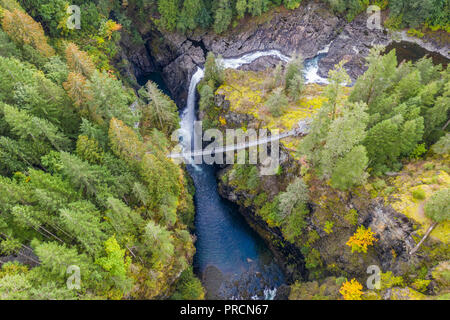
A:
x: 159, y: 243
x: 206, y: 97
x: 193, y: 14
x: 442, y: 147
x: 169, y: 10
x: 344, y: 134
x: 78, y: 61
x: 277, y: 102
x: 296, y: 195
x: 241, y: 8
x: 350, y: 170
x: 336, y: 132
x: 376, y: 80
x: 223, y: 16
x: 214, y: 73
x: 160, y: 112
x: 83, y: 220
x: 437, y: 207
x: 257, y: 7
x: 35, y: 129
x: 108, y: 100
x: 293, y: 77
x: 382, y: 144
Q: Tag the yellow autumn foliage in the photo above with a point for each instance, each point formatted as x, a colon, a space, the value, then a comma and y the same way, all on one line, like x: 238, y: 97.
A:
x: 361, y: 239
x: 351, y: 290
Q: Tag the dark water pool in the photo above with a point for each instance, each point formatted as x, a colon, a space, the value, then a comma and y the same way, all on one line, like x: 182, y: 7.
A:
x: 407, y: 51
x: 155, y: 77
x: 231, y: 258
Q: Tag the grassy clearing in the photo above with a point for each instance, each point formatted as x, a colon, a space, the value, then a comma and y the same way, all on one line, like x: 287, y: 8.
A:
x: 248, y: 91
x: 427, y: 177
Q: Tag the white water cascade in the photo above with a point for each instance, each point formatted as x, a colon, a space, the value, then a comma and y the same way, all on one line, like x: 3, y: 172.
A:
x: 312, y: 68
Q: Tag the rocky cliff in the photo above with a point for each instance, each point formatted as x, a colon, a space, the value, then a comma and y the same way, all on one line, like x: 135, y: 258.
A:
x: 325, y: 252
x: 305, y: 30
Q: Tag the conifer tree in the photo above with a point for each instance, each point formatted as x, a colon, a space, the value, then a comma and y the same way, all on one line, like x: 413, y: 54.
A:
x: 79, y: 61
x: 23, y: 29
x: 351, y: 169
x: 160, y: 112
x: 169, y: 10
x: 214, y: 73
x: 296, y: 195
x: 223, y: 16
x: 293, y: 77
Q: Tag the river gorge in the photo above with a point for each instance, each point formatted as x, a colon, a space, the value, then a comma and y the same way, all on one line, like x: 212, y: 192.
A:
x: 233, y: 258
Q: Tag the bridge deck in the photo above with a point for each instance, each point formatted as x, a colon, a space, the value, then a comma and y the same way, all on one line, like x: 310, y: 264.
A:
x: 237, y: 147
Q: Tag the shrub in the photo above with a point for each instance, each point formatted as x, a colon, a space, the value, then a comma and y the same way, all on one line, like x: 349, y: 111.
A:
x: 415, y: 33
x: 277, y: 103
x: 421, y: 285
x: 437, y: 207
x: 361, y: 240
x: 379, y: 184
x: 388, y: 280
x: 351, y: 217
x: 253, y: 178
x: 389, y: 190
x: 351, y: 290
x: 269, y: 212
x: 23, y: 29
x: 188, y: 287
x: 419, y: 151
x: 295, y: 223
x: 419, y: 194
x: 328, y: 227
x: 442, y: 146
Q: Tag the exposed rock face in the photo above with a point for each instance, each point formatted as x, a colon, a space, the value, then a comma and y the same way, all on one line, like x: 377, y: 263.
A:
x: 356, y: 40
x: 389, y: 253
x: 394, y: 231
x: 305, y: 30
x: 353, y: 44
x: 178, y: 73
x: 24, y: 256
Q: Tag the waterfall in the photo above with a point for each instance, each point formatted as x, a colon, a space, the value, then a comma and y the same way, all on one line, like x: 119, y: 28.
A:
x: 312, y: 67
x: 188, y: 115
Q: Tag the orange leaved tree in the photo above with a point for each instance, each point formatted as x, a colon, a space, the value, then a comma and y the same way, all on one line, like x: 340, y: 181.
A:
x: 79, y: 61
x: 24, y: 30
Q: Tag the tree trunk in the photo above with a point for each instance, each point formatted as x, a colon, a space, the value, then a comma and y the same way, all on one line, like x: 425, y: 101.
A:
x: 423, y: 239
